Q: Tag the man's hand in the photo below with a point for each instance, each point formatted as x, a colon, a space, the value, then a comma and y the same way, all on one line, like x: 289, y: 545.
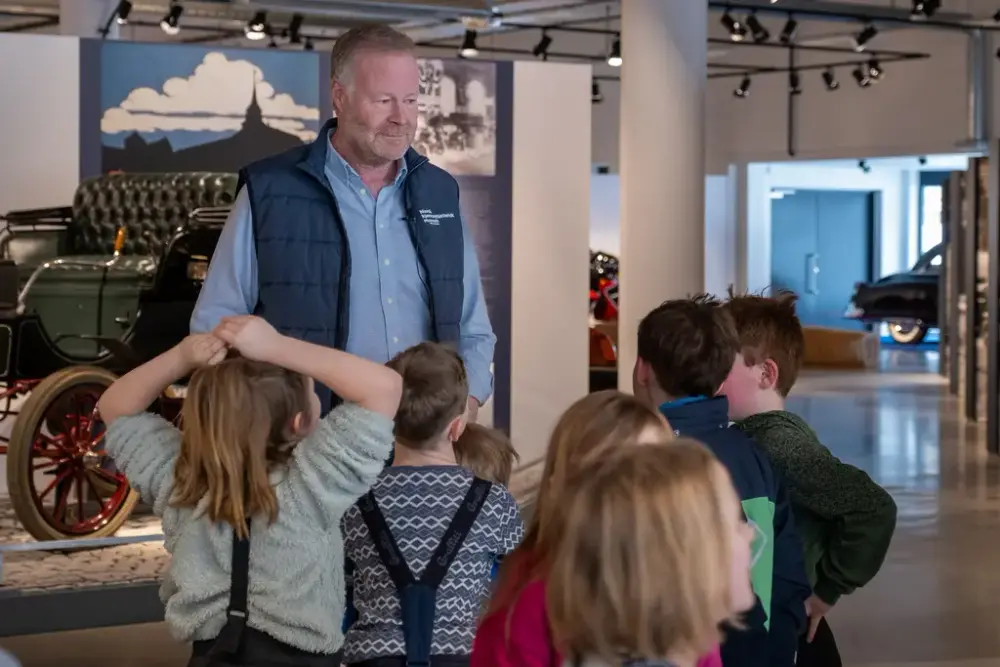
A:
x: 816, y: 609
x: 200, y: 350
x: 473, y: 412
x: 249, y: 335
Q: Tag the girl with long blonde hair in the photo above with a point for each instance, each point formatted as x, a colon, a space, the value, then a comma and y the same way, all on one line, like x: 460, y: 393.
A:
x: 515, y: 630
x: 253, y: 489
x: 653, y: 555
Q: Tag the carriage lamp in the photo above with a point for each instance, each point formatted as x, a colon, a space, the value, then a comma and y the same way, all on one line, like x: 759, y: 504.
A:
x: 197, y: 268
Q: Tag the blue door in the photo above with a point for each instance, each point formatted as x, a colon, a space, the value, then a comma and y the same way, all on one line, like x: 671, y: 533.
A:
x: 821, y: 244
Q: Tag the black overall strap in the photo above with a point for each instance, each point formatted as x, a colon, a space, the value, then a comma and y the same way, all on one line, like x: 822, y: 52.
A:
x: 385, y: 543
x: 228, y: 641
x: 456, y: 533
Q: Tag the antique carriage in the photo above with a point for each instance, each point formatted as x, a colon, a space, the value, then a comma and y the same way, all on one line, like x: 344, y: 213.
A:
x: 87, y: 293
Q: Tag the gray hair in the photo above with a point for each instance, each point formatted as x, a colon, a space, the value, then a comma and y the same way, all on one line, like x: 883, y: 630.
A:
x: 365, y: 38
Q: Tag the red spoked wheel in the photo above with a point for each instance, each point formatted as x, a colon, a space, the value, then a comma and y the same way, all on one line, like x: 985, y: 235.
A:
x: 61, y: 484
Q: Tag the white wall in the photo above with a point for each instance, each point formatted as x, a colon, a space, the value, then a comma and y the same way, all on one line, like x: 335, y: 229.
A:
x: 551, y: 182
x: 40, y: 120
x: 720, y: 227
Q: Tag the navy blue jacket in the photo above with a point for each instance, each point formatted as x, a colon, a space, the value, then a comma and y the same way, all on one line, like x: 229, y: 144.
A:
x: 294, y: 206
x: 778, y: 573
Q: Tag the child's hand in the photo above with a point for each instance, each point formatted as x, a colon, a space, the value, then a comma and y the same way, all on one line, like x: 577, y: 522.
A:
x: 202, y: 349
x: 251, y: 336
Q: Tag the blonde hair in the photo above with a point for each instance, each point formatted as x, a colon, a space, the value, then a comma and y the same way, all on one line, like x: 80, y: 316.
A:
x: 642, y: 563
x: 237, y: 426
x: 589, y: 430
x: 488, y: 452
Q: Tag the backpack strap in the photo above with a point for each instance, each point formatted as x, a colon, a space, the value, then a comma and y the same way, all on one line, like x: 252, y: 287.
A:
x: 230, y: 639
x: 456, y: 533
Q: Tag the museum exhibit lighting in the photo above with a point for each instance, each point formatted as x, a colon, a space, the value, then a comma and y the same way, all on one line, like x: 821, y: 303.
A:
x: 596, y: 96
x: 924, y: 8
x: 787, y: 35
x: 469, y: 48
x: 757, y: 30
x: 541, y: 50
x: 794, y: 82
x: 122, y: 11
x: 860, y: 75
x: 256, y: 28
x: 615, y: 54
x: 308, y: 46
x: 295, y: 29
x: 171, y: 23
x: 866, y: 35
x: 875, y: 70
x: 737, y: 31
x: 742, y: 91
x: 830, y: 80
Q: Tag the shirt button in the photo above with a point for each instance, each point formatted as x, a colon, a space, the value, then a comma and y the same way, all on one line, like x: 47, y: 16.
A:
x: 395, y: 339
x: 389, y: 300
x: 386, y: 262
x: 362, y: 191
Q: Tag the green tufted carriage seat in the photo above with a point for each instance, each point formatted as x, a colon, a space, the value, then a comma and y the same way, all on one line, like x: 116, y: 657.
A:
x: 103, y: 301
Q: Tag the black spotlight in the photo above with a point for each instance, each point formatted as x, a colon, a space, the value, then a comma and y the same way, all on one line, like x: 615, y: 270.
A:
x: 295, y: 29
x: 171, y: 22
x: 757, y: 29
x: 875, y: 70
x: 596, y: 96
x: 830, y: 80
x: 541, y: 49
x: 308, y: 46
x: 924, y: 8
x: 743, y: 90
x: 469, y: 48
x: 866, y: 35
x: 122, y: 11
x: 788, y: 32
x: 256, y: 28
x: 860, y: 75
x: 615, y: 54
x: 737, y: 31
x: 996, y: 16
x: 794, y: 82
x: 864, y: 166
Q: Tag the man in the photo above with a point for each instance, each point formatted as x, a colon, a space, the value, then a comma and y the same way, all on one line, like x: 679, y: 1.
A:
x: 356, y: 241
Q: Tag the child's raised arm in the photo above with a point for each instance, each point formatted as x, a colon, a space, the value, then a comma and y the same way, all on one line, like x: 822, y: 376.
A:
x: 356, y: 380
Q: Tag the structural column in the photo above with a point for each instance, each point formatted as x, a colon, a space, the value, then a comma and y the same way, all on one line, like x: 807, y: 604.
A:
x: 85, y: 18
x: 662, y: 129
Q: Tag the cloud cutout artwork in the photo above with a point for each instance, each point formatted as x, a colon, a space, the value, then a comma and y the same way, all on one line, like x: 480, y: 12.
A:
x: 213, y: 98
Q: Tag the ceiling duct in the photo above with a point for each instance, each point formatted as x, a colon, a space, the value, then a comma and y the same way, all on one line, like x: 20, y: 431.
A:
x: 980, y: 72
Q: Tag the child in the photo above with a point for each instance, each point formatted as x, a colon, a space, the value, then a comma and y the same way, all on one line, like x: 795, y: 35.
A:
x: 653, y: 554
x: 515, y: 631
x: 846, y: 520
x: 487, y: 452
x: 253, y: 490
x: 686, y: 349
x: 425, y: 517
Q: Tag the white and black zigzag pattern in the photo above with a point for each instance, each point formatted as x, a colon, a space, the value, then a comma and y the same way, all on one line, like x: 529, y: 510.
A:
x: 419, y: 504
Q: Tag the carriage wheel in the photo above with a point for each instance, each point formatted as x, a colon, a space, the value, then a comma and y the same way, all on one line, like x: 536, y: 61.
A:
x: 59, y: 484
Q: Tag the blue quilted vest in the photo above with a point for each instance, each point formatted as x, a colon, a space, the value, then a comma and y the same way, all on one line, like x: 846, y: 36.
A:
x: 303, y: 258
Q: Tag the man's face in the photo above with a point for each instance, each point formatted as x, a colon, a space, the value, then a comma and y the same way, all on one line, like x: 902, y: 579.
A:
x: 378, y: 108
x: 742, y: 387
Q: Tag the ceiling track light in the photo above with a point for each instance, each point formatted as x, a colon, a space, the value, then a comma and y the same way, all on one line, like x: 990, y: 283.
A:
x: 830, y: 80
x: 294, y: 31
x: 122, y: 11
x: 737, y: 31
x: 308, y: 45
x: 541, y: 49
x: 924, y: 8
x: 794, y: 82
x: 864, y: 166
x: 860, y: 75
x: 875, y: 71
x: 170, y: 24
x: 256, y: 28
x: 596, y: 96
x: 757, y: 29
x: 743, y: 90
x: 866, y: 35
x: 469, y: 48
x: 615, y: 54
x: 788, y: 32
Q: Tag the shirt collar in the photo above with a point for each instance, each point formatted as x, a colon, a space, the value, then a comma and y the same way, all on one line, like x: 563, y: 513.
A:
x: 341, y: 170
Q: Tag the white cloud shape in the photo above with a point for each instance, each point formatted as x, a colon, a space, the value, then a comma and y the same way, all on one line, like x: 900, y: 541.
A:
x: 214, y: 98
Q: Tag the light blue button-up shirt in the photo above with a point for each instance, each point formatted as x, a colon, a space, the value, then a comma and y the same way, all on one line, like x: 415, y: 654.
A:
x: 389, y: 302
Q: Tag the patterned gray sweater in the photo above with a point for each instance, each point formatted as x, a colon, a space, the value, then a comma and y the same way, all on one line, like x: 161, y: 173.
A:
x: 419, y: 504
x: 296, y: 564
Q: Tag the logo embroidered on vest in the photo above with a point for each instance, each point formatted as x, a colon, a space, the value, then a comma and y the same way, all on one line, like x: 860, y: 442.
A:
x: 431, y: 218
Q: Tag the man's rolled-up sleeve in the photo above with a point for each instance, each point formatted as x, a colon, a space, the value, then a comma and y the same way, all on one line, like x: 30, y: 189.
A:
x: 477, y: 340
x: 231, y: 284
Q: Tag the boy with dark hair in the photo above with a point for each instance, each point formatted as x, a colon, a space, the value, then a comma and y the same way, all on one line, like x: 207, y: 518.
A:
x: 686, y: 349
x: 424, y: 538
x: 846, y: 519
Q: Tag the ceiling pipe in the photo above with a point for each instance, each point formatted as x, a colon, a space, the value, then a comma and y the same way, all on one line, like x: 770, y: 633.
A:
x: 980, y: 73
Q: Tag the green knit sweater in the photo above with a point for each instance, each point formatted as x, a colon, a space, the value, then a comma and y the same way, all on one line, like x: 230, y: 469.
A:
x: 845, y: 519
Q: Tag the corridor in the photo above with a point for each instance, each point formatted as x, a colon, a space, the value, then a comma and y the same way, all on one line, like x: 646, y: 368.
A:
x: 936, y: 601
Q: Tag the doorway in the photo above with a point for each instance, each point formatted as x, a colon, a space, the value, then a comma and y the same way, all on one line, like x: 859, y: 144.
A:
x: 821, y: 245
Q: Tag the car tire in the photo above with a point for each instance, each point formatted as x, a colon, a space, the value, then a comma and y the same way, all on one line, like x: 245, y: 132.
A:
x: 907, y: 334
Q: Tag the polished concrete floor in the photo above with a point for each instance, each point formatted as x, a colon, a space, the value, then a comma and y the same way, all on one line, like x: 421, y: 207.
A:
x: 936, y: 602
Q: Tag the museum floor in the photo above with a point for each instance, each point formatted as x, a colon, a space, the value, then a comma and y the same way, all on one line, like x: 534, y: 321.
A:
x: 936, y: 602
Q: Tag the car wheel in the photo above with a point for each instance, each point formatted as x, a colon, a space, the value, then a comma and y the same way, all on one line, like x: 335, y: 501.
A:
x: 907, y: 334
